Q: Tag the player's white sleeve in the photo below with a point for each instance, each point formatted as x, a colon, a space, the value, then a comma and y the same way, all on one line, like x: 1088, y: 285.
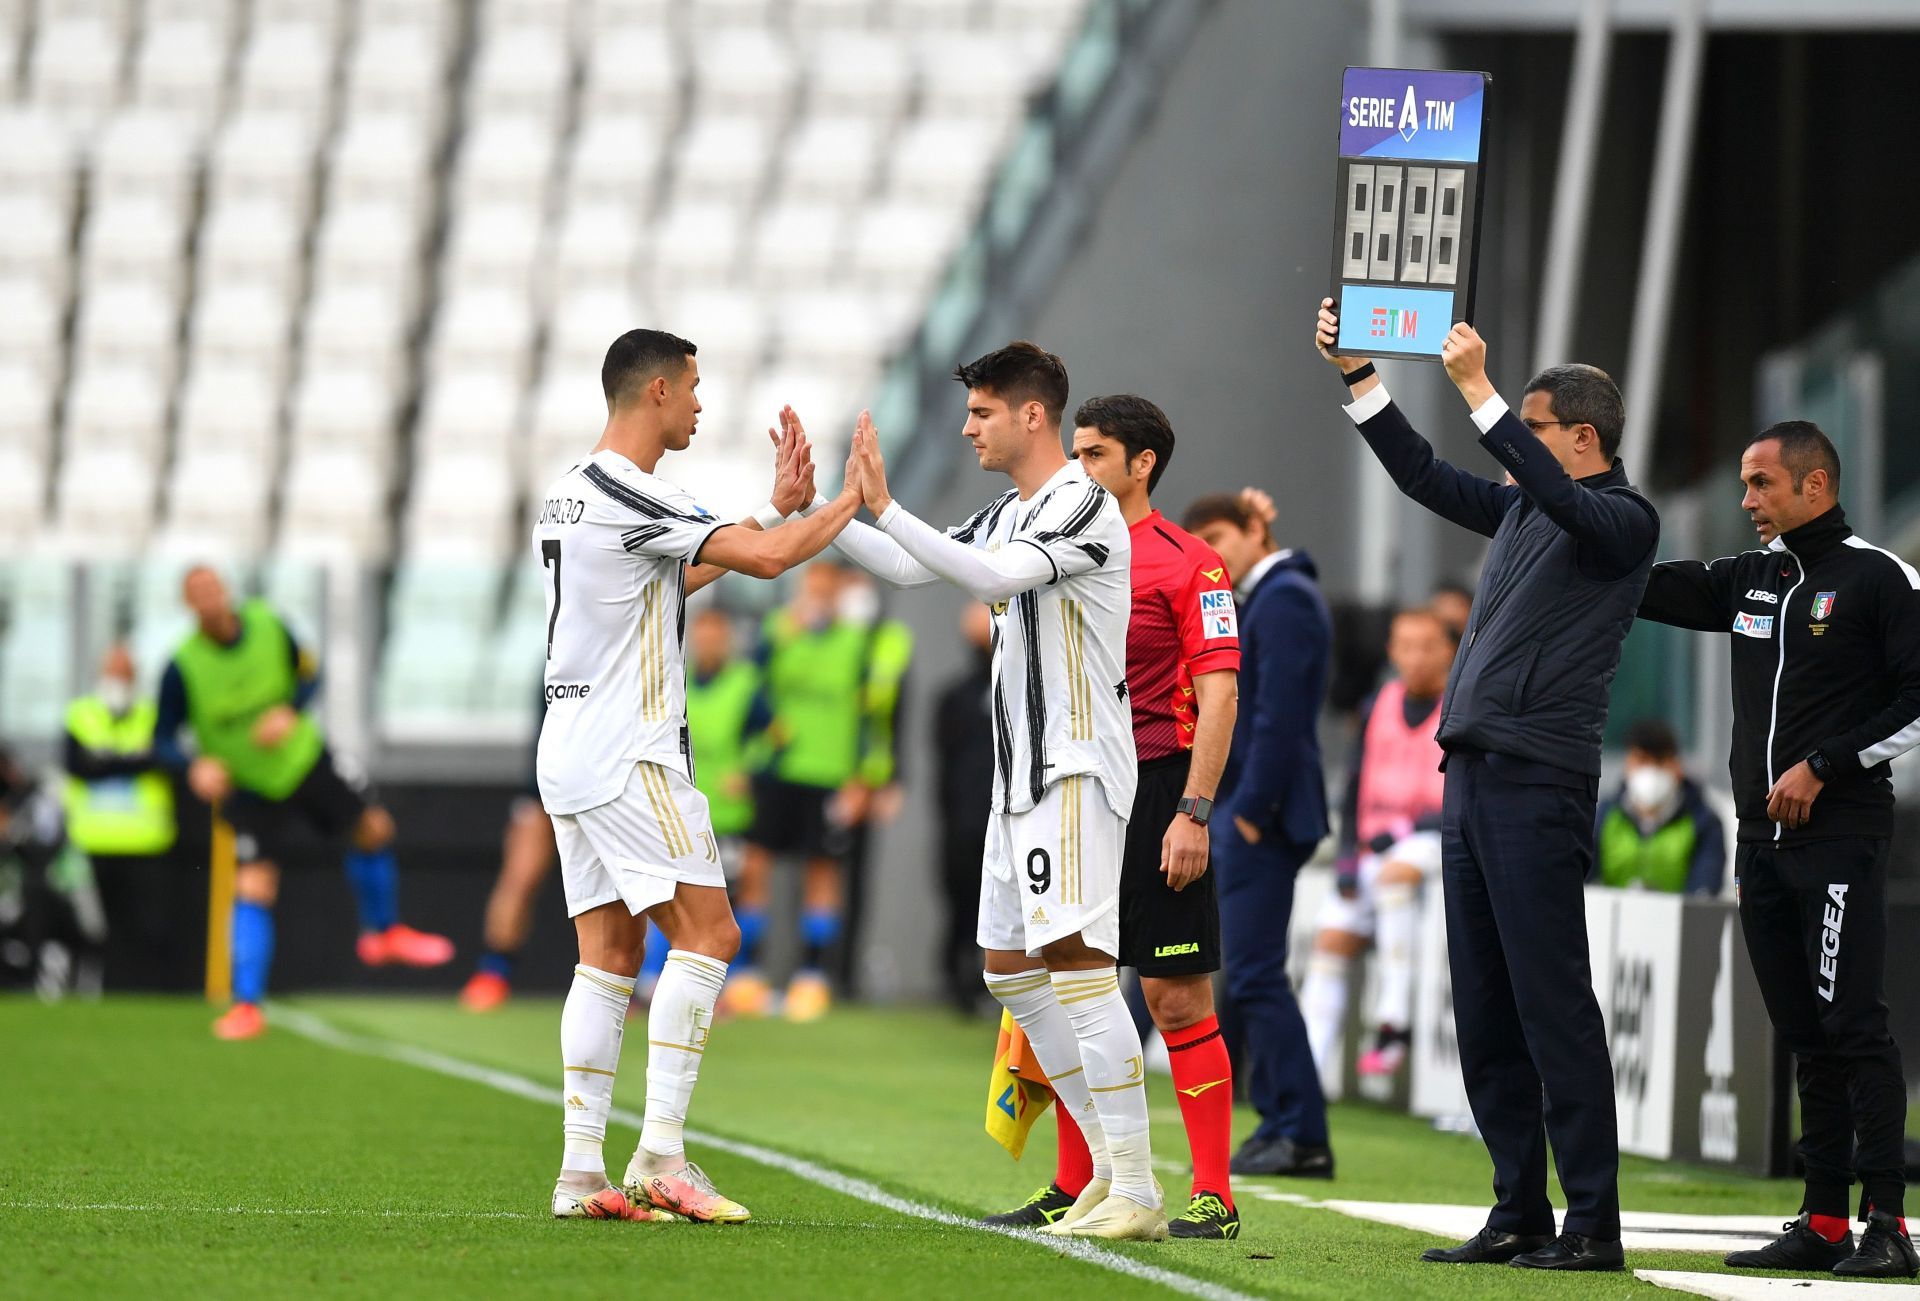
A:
x: 882, y: 557
x: 1081, y: 539
x: 989, y: 576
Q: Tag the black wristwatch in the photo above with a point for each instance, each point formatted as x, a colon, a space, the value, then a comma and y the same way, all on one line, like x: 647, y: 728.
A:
x: 1197, y: 807
x: 1821, y: 768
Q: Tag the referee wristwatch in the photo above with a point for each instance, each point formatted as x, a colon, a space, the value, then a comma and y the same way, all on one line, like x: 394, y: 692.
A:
x: 1197, y: 807
x: 1820, y: 766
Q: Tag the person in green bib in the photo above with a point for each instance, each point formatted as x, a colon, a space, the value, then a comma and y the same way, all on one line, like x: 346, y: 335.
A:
x: 241, y: 685
x: 809, y: 796
x: 119, y: 812
x: 1657, y: 832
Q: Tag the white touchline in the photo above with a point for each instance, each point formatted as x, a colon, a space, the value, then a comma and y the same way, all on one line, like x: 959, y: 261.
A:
x: 309, y: 1026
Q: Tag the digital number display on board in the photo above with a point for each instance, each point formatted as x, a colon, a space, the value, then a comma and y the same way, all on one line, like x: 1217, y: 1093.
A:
x: 1407, y: 207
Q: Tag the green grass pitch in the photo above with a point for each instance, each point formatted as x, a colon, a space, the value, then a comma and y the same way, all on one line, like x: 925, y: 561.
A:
x: 139, y: 1156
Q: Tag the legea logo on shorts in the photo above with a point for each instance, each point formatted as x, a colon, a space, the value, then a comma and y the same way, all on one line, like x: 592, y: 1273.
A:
x: 1753, y: 625
x: 1175, y: 950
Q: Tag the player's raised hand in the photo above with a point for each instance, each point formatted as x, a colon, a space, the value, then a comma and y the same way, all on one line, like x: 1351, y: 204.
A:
x: 793, y: 473
x: 873, y: 467
x: 1464, y: 354
x: 1326, y: 337
x: 1260, y: 503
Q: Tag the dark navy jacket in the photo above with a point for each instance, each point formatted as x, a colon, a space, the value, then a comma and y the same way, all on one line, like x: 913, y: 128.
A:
x: 1559, y: 590
x: 1273, y: 777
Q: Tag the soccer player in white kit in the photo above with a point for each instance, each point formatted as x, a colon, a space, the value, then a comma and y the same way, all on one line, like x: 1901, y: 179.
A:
x: 621, y: 549
x: 1052, y: 556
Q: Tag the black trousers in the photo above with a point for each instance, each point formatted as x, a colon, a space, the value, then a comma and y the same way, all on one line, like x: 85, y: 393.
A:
x: 1815, y: 918
x: 963, y: 847
x: 1533, y: 1047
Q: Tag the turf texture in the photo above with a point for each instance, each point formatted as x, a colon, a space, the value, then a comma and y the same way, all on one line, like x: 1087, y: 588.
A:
x: 139, y: 1156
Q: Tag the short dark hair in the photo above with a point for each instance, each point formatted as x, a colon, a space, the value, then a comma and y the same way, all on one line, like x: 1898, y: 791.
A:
x: 637, y: 358
x: 1133, y: 422
x: 1804, y: 448
x: 1220, y: 506
x: 1655, y: 737
x: 1585, y: 395
x: 1020, y: 372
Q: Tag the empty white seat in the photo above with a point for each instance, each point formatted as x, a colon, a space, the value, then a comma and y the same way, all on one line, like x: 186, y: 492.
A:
x: 921, y: 15
x: 867, y: 74
x: 116, y: 406
x: 287, y: 67
x: 327, y: 15
x: 132, y: 326
x: 139, y: 238
x: 380, y: 157
x: 746, y: 70
x: 597, y: 244
x: 828, y: 401
x: 460, y: 504
x: 9, y: 60
x: 943, y: 160
x: 356, y: 328
x: 220, y: 495
x: 493, y: 245
x: 264, y: 156
x: 548, y: 15
x: 608, y: 15
x: 222, y: 15
x: 710, y: 16
x: 798, y: 243
x: 633, y: 71
x: 475, y: 412
x: 483, y: 329
x: 729, y: 326
x: 434, y: 16
x: 964, y: 73
x: 504, y: 159
x: 724, y: 158
x: 398, y: 70
x: 36, y: 158
x: 344, y: 411
x: 23, y: 492
x: 334, y: 498
x: 227, y: 407
x: 904, y: 246
x: 252, y: 241
x: 567, y: 416
x: 74, y: 70
x: 242, y: 326
x: 821, y: 15
x: 831, y: 158
x: 615, y: 160
x: 181, y: 68
x: 584, y: 324
x: 728, y: 482
x: 147, y: 153
x: 696, y: 242
x: 370, y: 243
x: 106, y: 496
x: 36, y: 243
x: 521, y: 70
x: 836, y: 329
x: 26, y: 405
x: 32, y: 321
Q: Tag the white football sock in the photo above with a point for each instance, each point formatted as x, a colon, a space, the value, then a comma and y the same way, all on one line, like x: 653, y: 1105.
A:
x: 1116, y: 1074
x: 677, y: 1024
x: 1398, y: 916
x: 1323, y: 1004
x: 591, y: 1025
x: 1028, y: 995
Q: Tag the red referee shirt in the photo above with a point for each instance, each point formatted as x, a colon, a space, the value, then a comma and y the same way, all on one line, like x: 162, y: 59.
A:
x: 1184, y: 624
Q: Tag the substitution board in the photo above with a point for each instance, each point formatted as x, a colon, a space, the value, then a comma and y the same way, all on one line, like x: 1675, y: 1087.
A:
x: 1407, y: 215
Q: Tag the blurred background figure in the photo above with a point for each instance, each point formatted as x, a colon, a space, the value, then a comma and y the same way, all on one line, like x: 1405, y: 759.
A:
x: 120, y: 813
x: 242, y: 684
x: 527, y: 856
x: 52, y: 928
x: 1453, y: 601
x: 1389, y: 844
x: 1658, y: 832
x: 876, y: 795
x: 963, y: 776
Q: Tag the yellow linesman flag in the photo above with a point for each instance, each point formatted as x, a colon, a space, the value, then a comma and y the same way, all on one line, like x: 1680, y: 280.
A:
x: 1017, y: 1091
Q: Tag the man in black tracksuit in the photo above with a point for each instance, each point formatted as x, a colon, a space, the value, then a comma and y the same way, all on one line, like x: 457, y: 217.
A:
x: 1826, y: 690
x: 1525, y: 706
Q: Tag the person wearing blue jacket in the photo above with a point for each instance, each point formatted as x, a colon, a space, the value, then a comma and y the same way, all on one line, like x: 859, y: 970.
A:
x: 1526, y: 704
x: 1270, y: 815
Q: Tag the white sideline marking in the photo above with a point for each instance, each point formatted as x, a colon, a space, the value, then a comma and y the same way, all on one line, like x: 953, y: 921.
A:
x: 1737, y: 1287
x: 312, y: 1027
x: 154, y: 1208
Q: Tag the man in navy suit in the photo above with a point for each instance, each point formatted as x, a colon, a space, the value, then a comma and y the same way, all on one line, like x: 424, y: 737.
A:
x: 1526, y: 704
x: 1271, y: 813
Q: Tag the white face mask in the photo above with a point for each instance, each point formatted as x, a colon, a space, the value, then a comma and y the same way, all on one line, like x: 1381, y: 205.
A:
x: 859, y: 604
x: 1651, y: 789
x: 117, y: 693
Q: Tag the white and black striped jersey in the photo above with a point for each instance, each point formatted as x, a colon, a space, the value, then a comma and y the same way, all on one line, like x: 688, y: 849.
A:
x: 1060, y: 705
x: 614, y: 541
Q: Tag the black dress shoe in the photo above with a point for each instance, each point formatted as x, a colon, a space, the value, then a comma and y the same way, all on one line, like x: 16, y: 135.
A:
x: 1490, y: 1246
x: 1572, y: 1251
x: 1798, y: 1248
x: 1885, y: 1252
x: 1282, y: 1156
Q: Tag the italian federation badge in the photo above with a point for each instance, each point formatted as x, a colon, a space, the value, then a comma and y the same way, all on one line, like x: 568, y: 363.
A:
x: 1822, y: 606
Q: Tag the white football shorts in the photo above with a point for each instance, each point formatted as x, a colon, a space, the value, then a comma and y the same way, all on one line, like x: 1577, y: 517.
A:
x: 1355, y: 916
x: 1054, y: 871
x: 639, y: 845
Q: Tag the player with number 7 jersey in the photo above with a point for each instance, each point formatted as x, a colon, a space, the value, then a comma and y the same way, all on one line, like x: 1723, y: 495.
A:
x: 621, y: 549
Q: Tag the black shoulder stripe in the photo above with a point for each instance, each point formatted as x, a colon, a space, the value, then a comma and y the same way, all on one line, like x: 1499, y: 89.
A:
x: 1083, y: 515
x: 982, y: 519
x: 1169, y: 537
x: 1094, y: 550
x: 635, y: 538
x: 633, y: 500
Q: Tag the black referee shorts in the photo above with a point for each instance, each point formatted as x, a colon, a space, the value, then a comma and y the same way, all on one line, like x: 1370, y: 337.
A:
x: 326, y: 804
x: 1164, y: 932
x: 789, y: 818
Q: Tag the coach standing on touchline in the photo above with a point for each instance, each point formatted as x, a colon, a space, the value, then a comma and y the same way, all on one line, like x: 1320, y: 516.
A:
x: 1825, y: 633
x: 1526, y: 703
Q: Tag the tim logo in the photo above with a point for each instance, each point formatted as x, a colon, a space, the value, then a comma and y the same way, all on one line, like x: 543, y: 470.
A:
x: 1394, y: 323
